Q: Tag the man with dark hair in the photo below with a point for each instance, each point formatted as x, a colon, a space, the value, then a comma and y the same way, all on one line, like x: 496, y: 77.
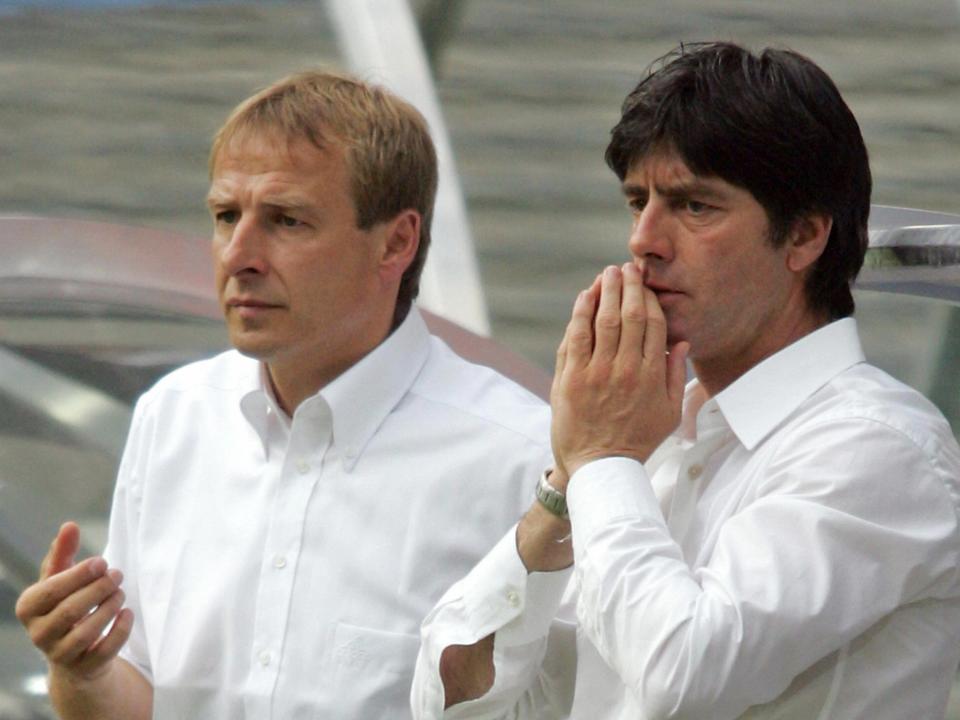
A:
x: 286, y: 515
x: 780, y: 538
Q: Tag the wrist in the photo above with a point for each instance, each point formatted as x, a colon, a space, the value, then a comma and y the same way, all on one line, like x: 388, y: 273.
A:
x: 543, y: 540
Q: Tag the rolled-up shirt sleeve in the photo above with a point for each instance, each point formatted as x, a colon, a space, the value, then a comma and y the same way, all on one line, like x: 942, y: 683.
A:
x: 534, y: 648
x: 835, y: 527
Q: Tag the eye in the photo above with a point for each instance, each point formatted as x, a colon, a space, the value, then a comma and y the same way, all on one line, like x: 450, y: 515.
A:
x: 227, y: 216
x: 695, y: 207
x: 288, y: 221
x: 636, y: 204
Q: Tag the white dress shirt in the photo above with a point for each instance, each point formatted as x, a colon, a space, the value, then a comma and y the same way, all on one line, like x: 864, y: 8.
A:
x: 792, y: 552
x: 280, y: 568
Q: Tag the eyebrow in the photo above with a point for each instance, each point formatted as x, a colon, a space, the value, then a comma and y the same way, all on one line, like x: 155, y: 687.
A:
x: 677, y: 190
x: 287, y: 202
x: 217, y: 197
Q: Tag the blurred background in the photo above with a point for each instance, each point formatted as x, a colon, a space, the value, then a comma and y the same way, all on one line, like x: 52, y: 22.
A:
x: 107, y: 110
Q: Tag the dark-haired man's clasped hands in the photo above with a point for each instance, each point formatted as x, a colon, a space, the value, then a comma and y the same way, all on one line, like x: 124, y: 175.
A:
x: 614, y: 351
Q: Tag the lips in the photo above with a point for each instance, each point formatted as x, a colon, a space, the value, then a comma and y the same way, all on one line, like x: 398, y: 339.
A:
x: 244, y: 302
x: 661, y: 289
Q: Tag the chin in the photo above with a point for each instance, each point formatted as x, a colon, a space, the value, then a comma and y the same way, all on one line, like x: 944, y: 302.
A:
x: 258, y: 349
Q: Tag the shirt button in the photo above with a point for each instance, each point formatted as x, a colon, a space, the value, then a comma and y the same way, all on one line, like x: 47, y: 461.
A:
x: 279, y: 561
x: 513, y: 597
x: 694, y: 471
x: 264, y: 658
x: 303, y: 467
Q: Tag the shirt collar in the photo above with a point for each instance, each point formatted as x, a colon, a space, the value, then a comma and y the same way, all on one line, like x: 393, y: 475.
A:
x: 360, y: 399
x: 763, y: 397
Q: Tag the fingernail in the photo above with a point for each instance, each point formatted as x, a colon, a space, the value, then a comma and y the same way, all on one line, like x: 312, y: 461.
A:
x: 611, y: 272
x: 98, y: 566
x: 115, y: 575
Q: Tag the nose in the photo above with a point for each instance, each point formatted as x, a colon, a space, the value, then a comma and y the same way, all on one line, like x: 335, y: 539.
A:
x: 241, y: 248
x: 651, y: 233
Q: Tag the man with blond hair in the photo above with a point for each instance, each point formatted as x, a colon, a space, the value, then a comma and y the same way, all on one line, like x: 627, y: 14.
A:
x: 287, y: 512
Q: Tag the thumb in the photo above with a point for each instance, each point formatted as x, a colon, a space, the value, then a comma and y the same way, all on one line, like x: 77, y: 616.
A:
x: 677, y: 370
x: 62, y: 552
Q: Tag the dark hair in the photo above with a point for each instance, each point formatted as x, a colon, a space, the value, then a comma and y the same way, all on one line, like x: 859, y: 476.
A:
x: 393, y: 164
x: 774, y: 124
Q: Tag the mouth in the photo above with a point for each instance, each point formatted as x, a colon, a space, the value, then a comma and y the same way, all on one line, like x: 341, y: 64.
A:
x: 249, y: 306
x: 661, y: 290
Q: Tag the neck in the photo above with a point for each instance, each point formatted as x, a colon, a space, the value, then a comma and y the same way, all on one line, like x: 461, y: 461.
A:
x: 718, y: 372
x: 294, y: 378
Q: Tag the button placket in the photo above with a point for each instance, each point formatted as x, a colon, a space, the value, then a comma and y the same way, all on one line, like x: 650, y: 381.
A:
x: 299, y: 474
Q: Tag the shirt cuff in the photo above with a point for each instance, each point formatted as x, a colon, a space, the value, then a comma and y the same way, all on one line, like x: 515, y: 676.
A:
x: 605, y: 490
x: 500, y: 596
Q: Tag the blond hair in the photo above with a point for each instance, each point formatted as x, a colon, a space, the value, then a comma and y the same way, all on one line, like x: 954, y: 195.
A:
x: 391, y: 158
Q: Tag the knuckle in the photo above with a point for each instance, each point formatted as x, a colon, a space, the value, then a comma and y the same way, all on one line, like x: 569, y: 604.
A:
x: 581, y: 337
x: 608, y: 321
x: 635, y: 314
x: 629, y: 370
x: 67, y: 615
x: 60, y: 653
x: 41, y: 595
x: 37, y: 636
x: 23, y: 610
x: 115, y: 601
x: 85, y: 634
x: 600, y: 376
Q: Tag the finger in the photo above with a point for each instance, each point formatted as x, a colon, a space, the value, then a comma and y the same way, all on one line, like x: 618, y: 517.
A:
x: 558, y: 366
x: 607, y: 323
x: 633, y: 313
x: 579, y: 334
x: 86, y: 632
x: 655, y: 329
x: 677, y: 371
x: 109, y: 645
x: 641, y: 265
x: 42, y: 597
x: 62, y: 551
x: 46, y: 629
x: 561, y: 362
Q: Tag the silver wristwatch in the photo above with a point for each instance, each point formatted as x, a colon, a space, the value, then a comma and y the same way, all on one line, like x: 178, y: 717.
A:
x: 551, y: 498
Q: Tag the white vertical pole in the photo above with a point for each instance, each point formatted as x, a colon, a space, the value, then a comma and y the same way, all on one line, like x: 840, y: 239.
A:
x: 380, y: 42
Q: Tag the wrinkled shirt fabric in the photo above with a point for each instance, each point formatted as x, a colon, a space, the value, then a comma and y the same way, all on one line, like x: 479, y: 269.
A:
x: 280, y: 568
x: 790, y: 553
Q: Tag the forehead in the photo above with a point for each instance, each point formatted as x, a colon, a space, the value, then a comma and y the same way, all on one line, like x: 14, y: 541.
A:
x: 270, y: 159
x: 661, y: 164
x: 665, y: 170
x: 266, y: 142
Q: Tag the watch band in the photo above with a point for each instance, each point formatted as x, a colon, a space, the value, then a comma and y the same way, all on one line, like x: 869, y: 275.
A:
x: 551, y: 498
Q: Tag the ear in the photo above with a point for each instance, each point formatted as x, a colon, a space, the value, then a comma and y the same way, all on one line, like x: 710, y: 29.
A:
x: 401, y: 240
x: 808, y: 238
